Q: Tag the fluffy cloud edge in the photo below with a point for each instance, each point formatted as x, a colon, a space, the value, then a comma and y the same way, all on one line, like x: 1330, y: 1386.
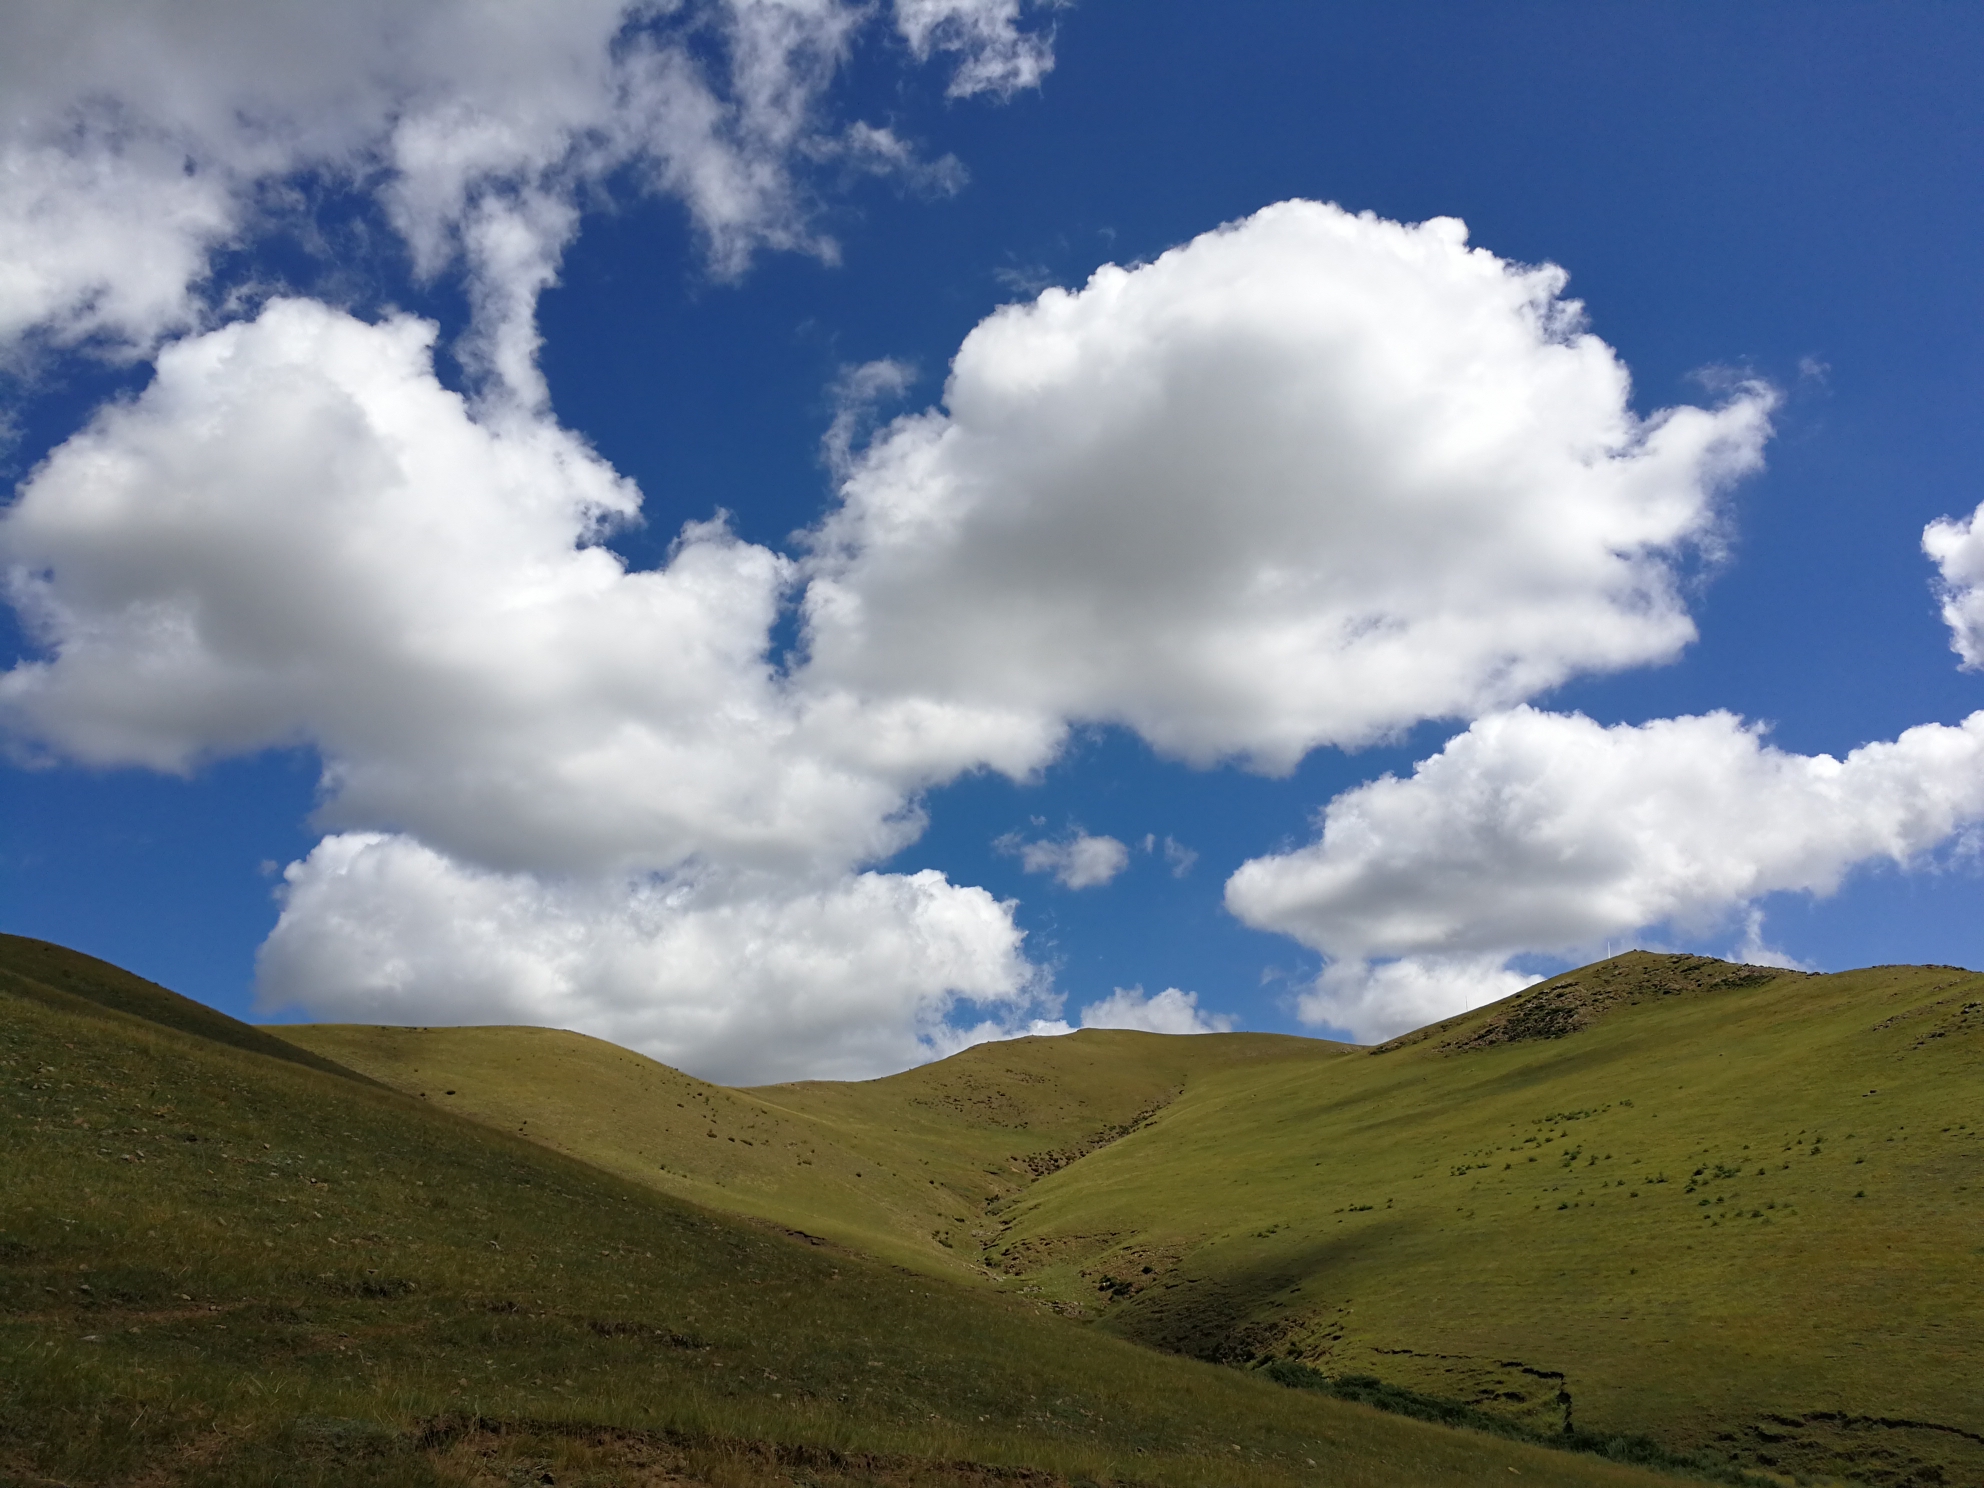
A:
x: 1306, y: 480
x: 1169, y: 1011
x: 824, y: 738
x: 1957, y: 549
x: 735, y: 981
x: 1543, y: 834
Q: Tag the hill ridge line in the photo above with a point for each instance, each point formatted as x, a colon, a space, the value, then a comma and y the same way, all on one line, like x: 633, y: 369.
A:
x: 1572, y: 1001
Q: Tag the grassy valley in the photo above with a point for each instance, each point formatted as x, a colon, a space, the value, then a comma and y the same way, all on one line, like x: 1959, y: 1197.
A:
x: 906, y: 1168
x: 1735, y: 1209
x: 225, y: 1260
x: 1739, y: 1210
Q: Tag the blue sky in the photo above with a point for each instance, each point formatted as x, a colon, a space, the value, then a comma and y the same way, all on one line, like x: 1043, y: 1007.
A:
x: 1778, y: 199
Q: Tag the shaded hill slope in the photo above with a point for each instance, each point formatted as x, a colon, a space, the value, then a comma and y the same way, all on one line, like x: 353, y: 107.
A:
x: 223, y: 1267
x: 51, y: 973
x: 1737, y: 1208
x: 903, y: 1167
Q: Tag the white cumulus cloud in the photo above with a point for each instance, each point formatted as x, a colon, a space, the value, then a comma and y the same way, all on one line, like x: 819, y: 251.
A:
x: 1544, y: 832
x: 1078, y: 861
x: 104, y: 244
x: 591, y: 775
x: 1169, y: 1011
x: 296, y: 534
x: 741, y: 981
x: 1957, y: 548
x: 1306, y: 480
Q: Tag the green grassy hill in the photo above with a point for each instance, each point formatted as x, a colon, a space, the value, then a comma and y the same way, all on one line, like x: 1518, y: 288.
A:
x: 222, y: 1263
x: 41, y: 970
x: 1740, y: 1210
x: 904, y: 1168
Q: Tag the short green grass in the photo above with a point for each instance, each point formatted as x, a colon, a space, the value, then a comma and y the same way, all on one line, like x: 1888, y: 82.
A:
x: 1731, y: 1209
x: 1743, y: 1219
x: 220, y: 1266
x: 904, y: 1168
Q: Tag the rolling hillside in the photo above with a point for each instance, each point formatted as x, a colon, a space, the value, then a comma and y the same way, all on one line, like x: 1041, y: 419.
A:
x: 1741, y: 1210
x: 223, y: 1263
x: 1735, y: 1208
x: 904, y: 1167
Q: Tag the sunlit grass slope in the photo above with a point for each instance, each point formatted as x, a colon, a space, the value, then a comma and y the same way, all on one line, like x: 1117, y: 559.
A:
x: 903, y: 1167
x: 223, y: 1267
x: 1736, y: 1209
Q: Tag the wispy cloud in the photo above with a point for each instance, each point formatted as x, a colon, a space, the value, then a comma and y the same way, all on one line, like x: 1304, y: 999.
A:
x: 1176, y: 854
x: 1077, y: 861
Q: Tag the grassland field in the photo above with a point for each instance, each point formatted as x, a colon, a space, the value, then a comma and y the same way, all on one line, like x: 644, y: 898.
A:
x: 908, y: 1168
x: 228, y: 1260
x: 1735, y: 1209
